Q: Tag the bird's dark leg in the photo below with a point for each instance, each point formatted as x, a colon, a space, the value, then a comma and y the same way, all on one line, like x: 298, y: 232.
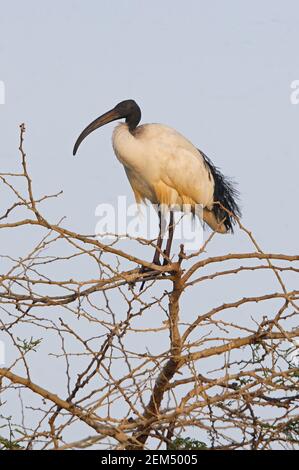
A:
x: 170, y: 238
x: 156, y: 259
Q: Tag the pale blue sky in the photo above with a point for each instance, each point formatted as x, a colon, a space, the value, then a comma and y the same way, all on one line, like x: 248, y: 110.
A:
x: 219, y: 72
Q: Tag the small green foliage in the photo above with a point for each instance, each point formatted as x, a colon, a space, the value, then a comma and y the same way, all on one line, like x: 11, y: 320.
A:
x: 30, y: 345
x: 9, y: 444
x: 256, y: 353
x: 241, y: 381
x: 266, y: 426
x: 292, y: 432
x: 187, y: 443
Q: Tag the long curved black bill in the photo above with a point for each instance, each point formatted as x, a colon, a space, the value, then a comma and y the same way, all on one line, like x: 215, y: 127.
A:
x: 110, y: 116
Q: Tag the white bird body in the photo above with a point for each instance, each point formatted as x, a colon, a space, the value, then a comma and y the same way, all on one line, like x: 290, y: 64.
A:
x: 163, y: 166
x: 166, y: 169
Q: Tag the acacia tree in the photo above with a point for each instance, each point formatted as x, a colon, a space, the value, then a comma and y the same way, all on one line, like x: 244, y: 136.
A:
x: 93, y: 362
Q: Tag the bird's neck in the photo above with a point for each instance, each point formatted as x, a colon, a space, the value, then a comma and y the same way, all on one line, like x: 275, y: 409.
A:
x: 126, y: 146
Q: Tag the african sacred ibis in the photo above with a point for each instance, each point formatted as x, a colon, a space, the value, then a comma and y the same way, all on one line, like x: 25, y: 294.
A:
x: 165, y: 168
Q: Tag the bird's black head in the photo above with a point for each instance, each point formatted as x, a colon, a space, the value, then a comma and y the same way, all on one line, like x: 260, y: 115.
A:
x: 128, y: 110
x: 126, y: 107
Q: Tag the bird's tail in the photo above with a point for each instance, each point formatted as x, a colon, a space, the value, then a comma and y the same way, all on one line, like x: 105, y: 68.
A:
x: 225, y: 197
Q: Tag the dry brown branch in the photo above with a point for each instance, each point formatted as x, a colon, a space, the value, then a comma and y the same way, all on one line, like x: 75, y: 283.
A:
x: 94, y: 363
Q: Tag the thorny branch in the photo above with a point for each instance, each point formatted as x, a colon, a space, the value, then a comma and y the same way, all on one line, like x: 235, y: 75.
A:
x: 91, y: 362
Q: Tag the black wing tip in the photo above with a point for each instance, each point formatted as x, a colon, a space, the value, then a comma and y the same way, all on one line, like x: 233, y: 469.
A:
x: 228, y: 197
x: 226, y: 194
